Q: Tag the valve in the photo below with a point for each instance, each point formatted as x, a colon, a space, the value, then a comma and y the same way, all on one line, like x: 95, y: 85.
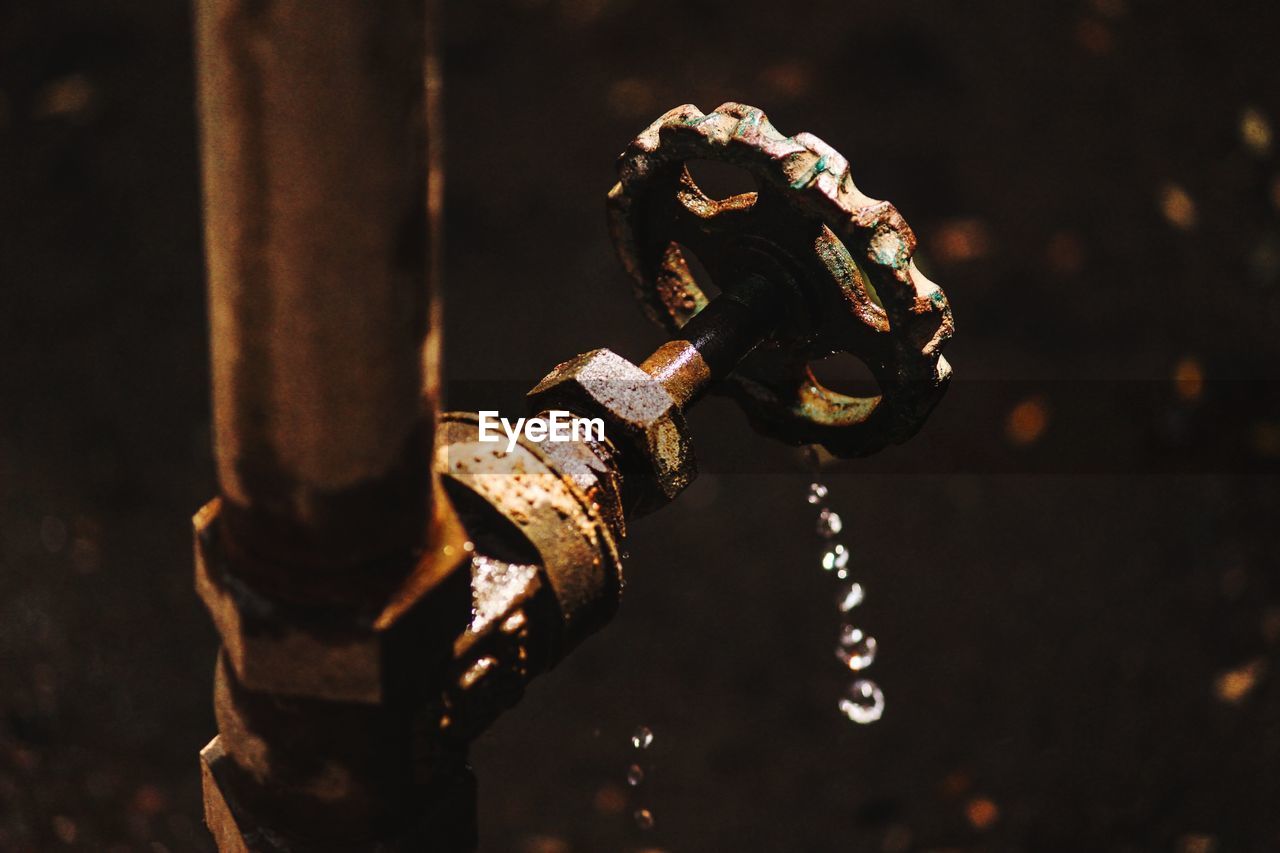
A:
x: 838, y: 263
x: 808, y: 266
x: 346, y: 699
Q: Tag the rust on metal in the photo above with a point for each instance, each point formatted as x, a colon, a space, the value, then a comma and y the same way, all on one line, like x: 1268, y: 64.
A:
x: 546, y: 572
x: 680, y: 368
x: 638, y: 411
x: 842, y: 264
x: 385, y: 584
x: 331, y: 563
x: 315, y: 166
x: 550, y: 509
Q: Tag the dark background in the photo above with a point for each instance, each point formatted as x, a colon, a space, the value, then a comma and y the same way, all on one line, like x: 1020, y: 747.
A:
x: 1070, y: 571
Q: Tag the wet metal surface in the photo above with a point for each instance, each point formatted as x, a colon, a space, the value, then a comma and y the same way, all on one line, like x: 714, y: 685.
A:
x: 1082, y: 156
x: 843, y: 259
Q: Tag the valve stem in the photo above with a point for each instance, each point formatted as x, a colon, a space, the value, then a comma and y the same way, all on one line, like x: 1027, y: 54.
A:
x: 715, y: 340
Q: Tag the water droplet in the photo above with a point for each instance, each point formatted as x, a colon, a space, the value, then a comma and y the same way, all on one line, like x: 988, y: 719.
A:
x: 829, y: 523
x: 635, y: 775
x: 817, y: 491
x: 850, y: 597
x: 644, y: 818
x: 642, y: 737
x: 836, y: 558
x: 863, y: 702
x: 856, y: 650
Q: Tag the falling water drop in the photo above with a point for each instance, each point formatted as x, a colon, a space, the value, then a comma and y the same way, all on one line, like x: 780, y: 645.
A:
x: 837, y: 557
x: 857, y: 650
x: 642, y: 737
x: 850, y: 597
x: 863, y: 703
x: 829, y: 523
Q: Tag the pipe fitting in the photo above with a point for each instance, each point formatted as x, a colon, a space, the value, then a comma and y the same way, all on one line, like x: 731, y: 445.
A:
x: 639, y: 413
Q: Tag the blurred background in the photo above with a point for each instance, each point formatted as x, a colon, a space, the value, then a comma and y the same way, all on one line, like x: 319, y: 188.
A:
x: 1070, y: 571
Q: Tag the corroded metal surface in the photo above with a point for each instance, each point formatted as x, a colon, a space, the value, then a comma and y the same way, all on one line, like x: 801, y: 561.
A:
x: 332, y: 565
x: 681, y: 370
x: 546, y: 572
x: 315, y: 649
x: 842, y: 261
x: 365, y: 644
x: 320, y: 348
x: 557, y: 517
x: 637, y: 410
x: 320, y: 709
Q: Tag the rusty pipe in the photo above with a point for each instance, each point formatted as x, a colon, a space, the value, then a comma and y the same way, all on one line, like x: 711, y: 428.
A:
x: 330, y: 568
x: 314, y: 163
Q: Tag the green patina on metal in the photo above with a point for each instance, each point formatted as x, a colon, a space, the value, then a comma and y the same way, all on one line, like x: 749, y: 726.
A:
x: 841, y: 260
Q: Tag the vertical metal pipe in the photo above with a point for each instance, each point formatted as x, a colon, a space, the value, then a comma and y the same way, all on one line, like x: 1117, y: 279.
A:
x: 332, y: 582
x: 315, y: 177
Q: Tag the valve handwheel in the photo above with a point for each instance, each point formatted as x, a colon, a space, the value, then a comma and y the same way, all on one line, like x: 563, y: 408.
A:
x: 842, y: 263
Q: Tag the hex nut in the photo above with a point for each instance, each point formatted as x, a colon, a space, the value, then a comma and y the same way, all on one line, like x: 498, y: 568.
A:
x: 316, y: 652
x: 638, y: 413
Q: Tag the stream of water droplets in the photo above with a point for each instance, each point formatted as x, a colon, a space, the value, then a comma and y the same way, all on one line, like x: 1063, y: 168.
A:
x: 641, y: 740
x: 863, y: 701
